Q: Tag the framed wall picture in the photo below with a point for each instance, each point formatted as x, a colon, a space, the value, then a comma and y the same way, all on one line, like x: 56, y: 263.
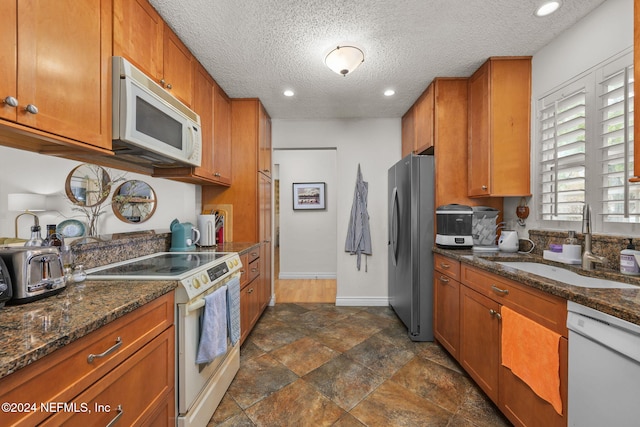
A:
x: 308, y: 195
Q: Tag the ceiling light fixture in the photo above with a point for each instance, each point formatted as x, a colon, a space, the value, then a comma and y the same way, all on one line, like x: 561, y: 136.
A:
x: 344, y: 59
x: 288, y: 92
x: 547, y: 8
x: 389, y: 92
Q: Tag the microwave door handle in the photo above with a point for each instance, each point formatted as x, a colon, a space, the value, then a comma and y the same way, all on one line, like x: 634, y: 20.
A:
x: 192, y: 137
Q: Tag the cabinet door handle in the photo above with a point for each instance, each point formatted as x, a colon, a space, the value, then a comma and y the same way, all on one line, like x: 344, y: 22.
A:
x: 250, y: 291
x: 253, y: 270
x: 169, y: 86
x: 444, y: 279
x: 31, y: 109
x: 254, y: 254
x: 10, y: 101
x: 495, y: 314
x: 445, y: 265
x: 500, y: 291
x: 117, y: 417
x: 108, y: 351
x: 484, y: 187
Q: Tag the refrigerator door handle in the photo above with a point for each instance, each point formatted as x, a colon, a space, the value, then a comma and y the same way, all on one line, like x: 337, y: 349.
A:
x: 395, y: 224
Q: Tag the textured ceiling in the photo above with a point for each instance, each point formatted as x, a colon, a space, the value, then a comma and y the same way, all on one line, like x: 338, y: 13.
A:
x: 259, y: 48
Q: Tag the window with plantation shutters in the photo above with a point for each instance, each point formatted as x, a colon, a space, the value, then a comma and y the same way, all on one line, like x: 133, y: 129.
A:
x: 585, y: 149
x: 620, y: 198
x: 562, y: 153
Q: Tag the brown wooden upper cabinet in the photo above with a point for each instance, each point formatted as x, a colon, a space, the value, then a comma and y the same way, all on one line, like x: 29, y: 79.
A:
x: 264, y: 141
x: 214, y: 108
x: 408, y: 131
x: 48, y: 86
x: 418, y: 125
x: 141, y: 35
x: 499, y: 128
x: 222, y: 169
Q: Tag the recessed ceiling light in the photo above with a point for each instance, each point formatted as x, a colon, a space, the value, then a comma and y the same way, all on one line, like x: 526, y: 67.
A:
x: 389, y: 92
x: 288, y: 92
x: 547, y: 8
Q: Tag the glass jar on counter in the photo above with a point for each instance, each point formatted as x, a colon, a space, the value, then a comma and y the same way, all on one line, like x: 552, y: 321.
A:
x: 79, y: 275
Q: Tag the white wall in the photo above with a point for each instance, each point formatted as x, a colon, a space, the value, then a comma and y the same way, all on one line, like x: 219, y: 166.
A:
x: 307, y: 237
x: 592, y: 40
x: 376, y: 145
x: 27, y: 172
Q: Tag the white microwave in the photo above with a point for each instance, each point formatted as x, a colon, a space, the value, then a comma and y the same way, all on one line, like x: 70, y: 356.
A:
x: 150, y: 126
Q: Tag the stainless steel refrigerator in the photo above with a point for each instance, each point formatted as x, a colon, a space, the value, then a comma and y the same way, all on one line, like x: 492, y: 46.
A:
x: 411, y: 234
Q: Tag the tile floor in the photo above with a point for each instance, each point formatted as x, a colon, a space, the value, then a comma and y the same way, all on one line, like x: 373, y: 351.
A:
x: 322, y: 365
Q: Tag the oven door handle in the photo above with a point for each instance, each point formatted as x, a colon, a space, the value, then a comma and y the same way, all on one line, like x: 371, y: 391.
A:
x: 195, y: 305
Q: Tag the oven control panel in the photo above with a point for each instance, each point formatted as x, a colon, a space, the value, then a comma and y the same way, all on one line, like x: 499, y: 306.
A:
x: 217, y: 271
x: 208, y: 277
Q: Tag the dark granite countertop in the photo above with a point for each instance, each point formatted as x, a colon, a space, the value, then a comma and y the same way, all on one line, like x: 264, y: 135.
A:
x: 621, y: 303
x: 239, y: 247
x: 31, y: 331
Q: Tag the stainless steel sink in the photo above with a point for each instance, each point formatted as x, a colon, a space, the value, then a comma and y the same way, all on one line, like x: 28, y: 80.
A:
x: 566, y: 276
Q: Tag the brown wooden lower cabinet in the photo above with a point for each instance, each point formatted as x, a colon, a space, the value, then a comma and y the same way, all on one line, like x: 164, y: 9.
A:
x: 139, y: 374
x: 480, y: 340
x: 523, y: 407
x: 478, y: 317
x: 253, y: 294
x: 446, y: 295
x: 135, y: 393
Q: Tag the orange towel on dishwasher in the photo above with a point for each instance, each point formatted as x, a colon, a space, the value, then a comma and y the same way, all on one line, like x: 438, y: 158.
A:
x: 531, y: 351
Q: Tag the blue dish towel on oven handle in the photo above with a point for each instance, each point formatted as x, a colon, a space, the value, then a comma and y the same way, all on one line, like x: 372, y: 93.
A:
x: 213, y: 337
x: 233, y: 309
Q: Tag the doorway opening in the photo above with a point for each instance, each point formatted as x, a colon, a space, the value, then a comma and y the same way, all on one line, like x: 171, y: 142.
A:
x: 305, y: 251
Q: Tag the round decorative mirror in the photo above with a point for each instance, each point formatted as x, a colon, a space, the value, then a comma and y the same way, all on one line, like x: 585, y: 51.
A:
x: 88, y: 185
x: 134, y: 201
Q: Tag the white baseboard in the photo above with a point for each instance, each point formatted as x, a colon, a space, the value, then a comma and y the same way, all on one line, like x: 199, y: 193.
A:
x: 362, y: 301
x: 286, y: 276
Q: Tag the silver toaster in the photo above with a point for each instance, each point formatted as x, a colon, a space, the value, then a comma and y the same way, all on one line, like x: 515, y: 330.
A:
x: 35, y: 272
x: 6, y: 289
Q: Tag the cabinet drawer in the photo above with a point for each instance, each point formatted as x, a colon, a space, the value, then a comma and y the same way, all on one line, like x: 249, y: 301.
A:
x: 254, y: 269
x: 67, y: 371
x: 244, y: 271
x: 548, y: 310
x: 132, y: 392
x: 254, y: 254
x: 446, y: 265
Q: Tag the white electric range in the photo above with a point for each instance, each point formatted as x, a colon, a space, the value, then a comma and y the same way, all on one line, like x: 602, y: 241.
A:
x: 199, y: 387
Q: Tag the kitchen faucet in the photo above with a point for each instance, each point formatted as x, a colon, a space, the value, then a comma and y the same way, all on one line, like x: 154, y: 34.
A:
x: 588, y: 258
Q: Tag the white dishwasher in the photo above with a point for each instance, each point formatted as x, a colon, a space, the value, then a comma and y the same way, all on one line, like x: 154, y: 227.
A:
x: 604, y: 369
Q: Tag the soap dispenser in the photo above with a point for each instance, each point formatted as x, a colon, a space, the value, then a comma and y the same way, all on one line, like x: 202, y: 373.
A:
x: 629, y: 260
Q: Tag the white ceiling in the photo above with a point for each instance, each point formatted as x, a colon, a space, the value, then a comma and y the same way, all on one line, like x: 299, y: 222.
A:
x: 259, y: 48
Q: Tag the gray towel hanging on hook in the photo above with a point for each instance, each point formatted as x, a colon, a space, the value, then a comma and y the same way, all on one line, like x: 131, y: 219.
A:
x: 358, y: 240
